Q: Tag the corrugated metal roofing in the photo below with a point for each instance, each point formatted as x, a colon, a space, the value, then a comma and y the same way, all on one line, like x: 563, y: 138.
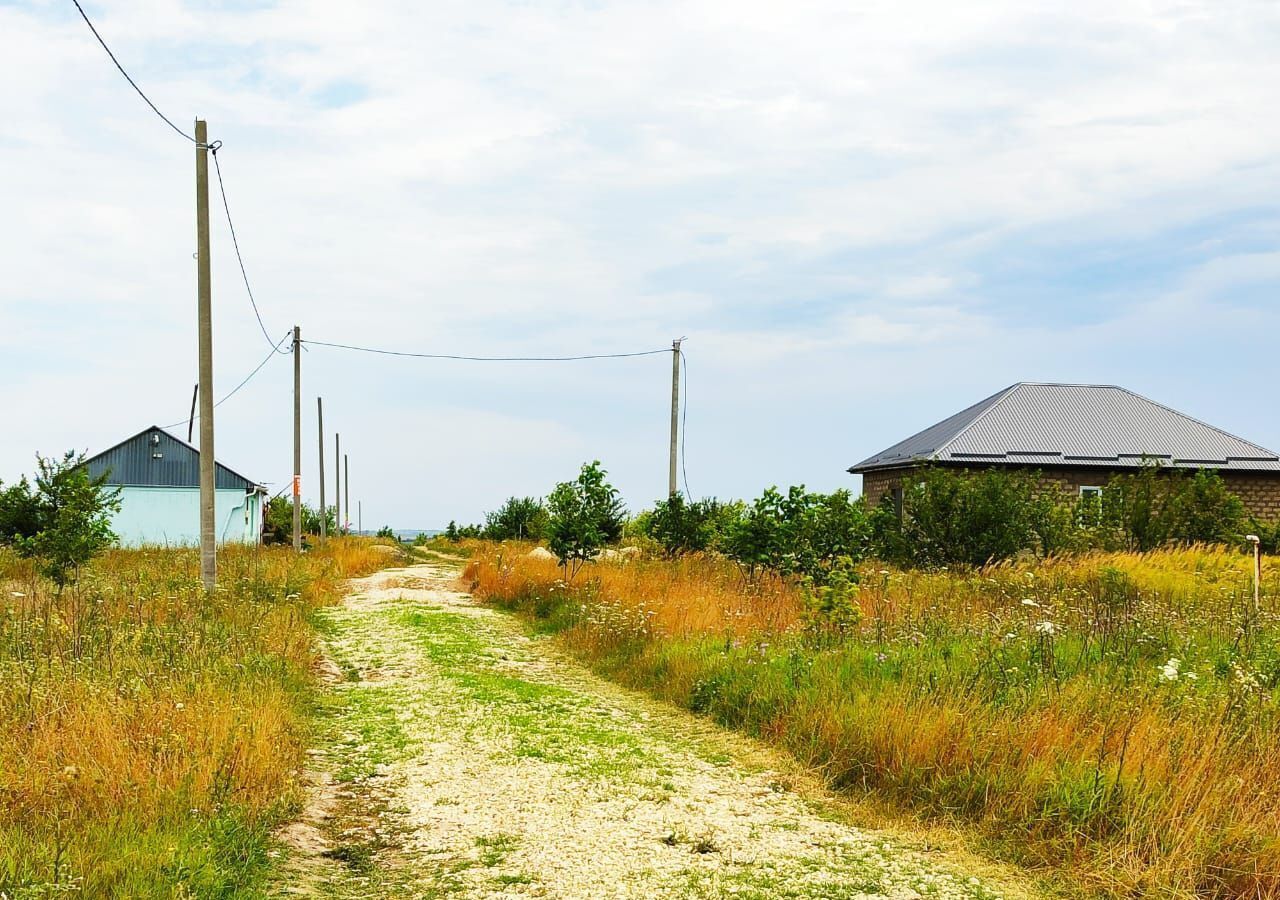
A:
x: 1075, y: 425
x: 155, y: 458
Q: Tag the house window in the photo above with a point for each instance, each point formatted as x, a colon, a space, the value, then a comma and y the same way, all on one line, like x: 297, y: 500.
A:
x: 897, y: 495
x: 1090, y: 507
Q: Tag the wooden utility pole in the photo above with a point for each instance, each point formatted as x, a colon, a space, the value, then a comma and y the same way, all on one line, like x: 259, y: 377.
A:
x: 297, y: 438
x: 346, y: 484
x: 324, y: 513
x: 204, y: 316
x: 675, y: 414
x: 337, y: 482
x: 360, y: 517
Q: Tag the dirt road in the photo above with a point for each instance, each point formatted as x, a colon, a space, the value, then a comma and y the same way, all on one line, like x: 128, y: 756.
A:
x: 462, y: 757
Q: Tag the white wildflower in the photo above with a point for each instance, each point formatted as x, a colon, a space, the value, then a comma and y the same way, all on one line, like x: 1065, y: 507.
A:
x: 1047, y: 628
x: 1169, y: 671
x: 1027, y: 601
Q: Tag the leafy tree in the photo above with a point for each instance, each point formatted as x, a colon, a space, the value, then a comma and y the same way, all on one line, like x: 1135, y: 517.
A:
x: 519, y: 518
x: 278, y: 527
x: 684, y: 527
x: 584, y: 515
x: 65, y: 521
x: 386, y: 532
x: 19, y: 512
x: 452, y: 532
x: 799, y: 532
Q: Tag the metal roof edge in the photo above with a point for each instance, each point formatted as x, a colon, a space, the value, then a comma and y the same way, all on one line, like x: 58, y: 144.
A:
x: 1000, y: 396
x: 189, y: 446
x: 1235, y: 437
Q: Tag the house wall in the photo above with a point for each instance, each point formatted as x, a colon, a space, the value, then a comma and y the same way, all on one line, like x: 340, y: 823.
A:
x: 171, y: 516
x: 1260, y: 492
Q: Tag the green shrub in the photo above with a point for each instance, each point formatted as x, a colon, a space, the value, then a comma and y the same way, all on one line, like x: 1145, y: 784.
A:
x: 969, y: 518
x: 798, y: 533
x: 684, y: 527
x: 1159, y: 505
x: 519, y: 518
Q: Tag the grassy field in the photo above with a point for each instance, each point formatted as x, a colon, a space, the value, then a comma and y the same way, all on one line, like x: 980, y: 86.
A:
x: 1111, y: 718
x: 153, y: 733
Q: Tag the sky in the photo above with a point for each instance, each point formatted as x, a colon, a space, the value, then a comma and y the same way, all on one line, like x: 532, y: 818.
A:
x: 863, y: 216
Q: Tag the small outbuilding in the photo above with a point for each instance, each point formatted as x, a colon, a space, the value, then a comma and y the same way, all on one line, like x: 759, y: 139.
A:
x: 1077, y: 436
x: 159, y: 480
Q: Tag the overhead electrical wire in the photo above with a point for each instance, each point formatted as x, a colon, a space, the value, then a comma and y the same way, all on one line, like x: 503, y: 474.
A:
x: 486, y: 358
x: 127, y: 78
x: 236, y: 244
x: 275, y: 348
x: 213, y: 147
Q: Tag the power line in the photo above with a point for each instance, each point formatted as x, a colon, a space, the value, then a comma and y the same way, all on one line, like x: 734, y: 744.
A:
x: 274, y: 349
x: 489, y: 358
x: 132, y: 83
x: 215, y: 146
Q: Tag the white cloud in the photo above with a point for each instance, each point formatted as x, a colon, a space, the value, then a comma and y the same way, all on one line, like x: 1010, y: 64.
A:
x: 821, y: 196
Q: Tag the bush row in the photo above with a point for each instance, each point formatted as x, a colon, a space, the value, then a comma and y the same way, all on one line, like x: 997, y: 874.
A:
x: 943, y: 517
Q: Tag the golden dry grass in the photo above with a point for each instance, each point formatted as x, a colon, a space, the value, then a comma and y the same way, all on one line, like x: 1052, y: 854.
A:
x: 154, y: 734
x: 1027, y: 700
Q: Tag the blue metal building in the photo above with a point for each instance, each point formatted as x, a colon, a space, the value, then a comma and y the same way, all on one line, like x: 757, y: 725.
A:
x: 159, y: 480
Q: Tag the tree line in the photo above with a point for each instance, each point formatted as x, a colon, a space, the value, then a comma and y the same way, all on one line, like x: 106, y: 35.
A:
x: 943, y: 517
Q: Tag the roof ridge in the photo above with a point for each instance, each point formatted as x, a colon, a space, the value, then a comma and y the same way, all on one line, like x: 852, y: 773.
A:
x: 1201, y: 422
x: 1000, y: 396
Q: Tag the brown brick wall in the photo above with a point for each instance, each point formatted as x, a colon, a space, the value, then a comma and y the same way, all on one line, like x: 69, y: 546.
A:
x: 1260, y: 492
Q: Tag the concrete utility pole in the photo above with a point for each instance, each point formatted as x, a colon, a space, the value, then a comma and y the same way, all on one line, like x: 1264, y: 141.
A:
x: 204, y: 316
x: 324, y: 514
x: 346, y: 484
x: 297, y: 438
x: 337, y: 482
x: 675, y: 414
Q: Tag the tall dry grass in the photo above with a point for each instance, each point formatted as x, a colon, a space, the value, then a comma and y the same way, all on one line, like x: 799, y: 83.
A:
x: 153, y: 733
x: 1039, y: 703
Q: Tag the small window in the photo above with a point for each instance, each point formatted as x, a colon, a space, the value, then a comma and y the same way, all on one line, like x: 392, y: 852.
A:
x: 1090, y: 506
x: 897, y: 495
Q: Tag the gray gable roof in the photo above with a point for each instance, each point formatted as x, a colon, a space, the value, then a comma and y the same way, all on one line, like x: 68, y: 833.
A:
x: 1074, y: 425
x: 162, y: 461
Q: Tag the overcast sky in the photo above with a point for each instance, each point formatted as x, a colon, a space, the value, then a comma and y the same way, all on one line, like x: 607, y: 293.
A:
x: 864, y: 217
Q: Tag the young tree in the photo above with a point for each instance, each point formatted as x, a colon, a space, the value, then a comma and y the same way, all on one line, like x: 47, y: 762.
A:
x: 71, y: 513
x: 585, y: 514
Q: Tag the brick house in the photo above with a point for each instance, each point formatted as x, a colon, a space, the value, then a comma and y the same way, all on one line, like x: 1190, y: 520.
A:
x: 1077, y: 436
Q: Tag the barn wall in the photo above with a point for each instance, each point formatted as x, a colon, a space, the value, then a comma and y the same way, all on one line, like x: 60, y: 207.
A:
x: 171, y: 516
